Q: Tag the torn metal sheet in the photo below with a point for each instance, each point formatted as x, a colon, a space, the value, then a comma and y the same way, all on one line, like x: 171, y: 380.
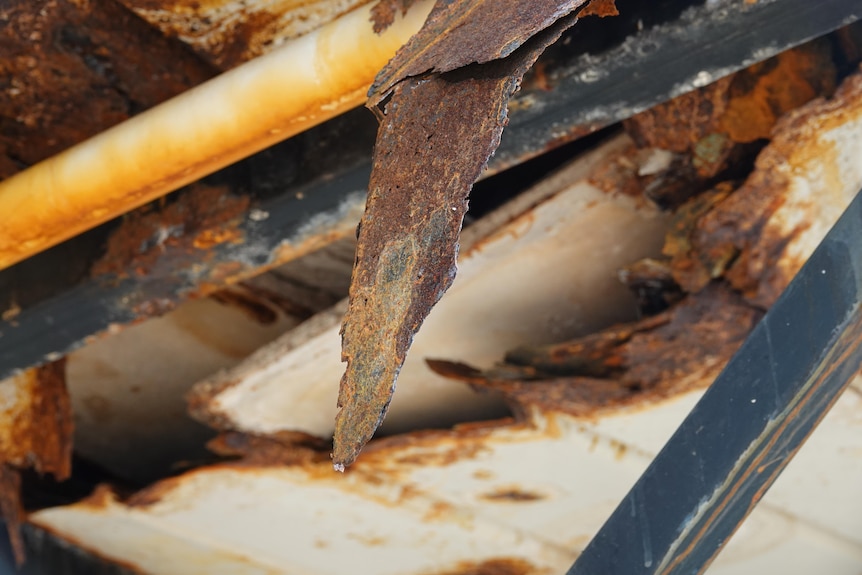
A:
x: 523, y: 497
x: 525, y: 247
x: 417, y: 197
x: 623, y: 367
x: 460, y: 33
x: 751, y: 240
x: 35, y: 433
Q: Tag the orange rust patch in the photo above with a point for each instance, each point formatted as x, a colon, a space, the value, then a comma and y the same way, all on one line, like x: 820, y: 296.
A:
x: 708, y: 123
x: 201, y: 217
x: 600, y: 8
x: 210, y: 238
x: 37, y: 423
x: 432, y: 447
x: 501, y: 566
x: 680, y: 123
x: 761, y: 94
x: 693, y: 268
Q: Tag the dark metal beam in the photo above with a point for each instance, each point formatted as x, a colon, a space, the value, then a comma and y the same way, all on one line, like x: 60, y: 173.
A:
x: 748, y: 425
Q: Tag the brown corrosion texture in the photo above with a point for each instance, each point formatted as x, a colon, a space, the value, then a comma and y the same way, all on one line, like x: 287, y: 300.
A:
x: 434, y: 141
x: 727, y: 254
x: 745, y: 237
x: 37, y: 424
x: 383, y: 13
x: 710, y: 122
x: 460, y: 33
x: 227, y: 33
x: 600, y: 8
x: 11, y: 509
x: 623, y: 365
x: 193, y: 221
x: 73, y: 69
x: 501, y: 566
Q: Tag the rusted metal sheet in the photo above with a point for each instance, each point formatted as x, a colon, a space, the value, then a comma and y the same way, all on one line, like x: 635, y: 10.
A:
x: 73, y: 69
x: 802, y: 182
x: 495, y: 495
x: 731, y: 252
x: 624, y: 366
x: 35, y: 432
x: 229, y: 32
x: 460, y: 33
x: 37, y: 421
x: 408, y: 239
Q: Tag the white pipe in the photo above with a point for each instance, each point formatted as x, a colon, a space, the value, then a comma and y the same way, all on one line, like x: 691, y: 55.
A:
x: 303, y: 83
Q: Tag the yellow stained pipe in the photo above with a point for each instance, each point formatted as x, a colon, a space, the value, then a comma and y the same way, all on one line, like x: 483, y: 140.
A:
x: 303, y: 83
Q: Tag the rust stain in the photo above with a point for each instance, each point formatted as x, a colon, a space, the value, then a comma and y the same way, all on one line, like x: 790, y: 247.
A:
x: 383, y: 13
x: 435, y: 138
x: 500, y: 566
x: 512, y: 495
x: 624, y: 366
x: 600, y: 8
x: 437, y: 448
x: 255, y: 308
x: 37, y: 422
x: 227, y: 33
x: 761, y: 232
x: 759, y: 95
x: 11, y: 510
x: 73, y: 69
x: 200, y: 218
x: 710, y: 123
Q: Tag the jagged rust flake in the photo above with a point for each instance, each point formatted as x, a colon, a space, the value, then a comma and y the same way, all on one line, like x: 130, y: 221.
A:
x: 458, y: 33
x: 435, y: 138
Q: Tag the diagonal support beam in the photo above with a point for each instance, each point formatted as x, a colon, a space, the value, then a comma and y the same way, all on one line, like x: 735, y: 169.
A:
x: 748, y: 425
